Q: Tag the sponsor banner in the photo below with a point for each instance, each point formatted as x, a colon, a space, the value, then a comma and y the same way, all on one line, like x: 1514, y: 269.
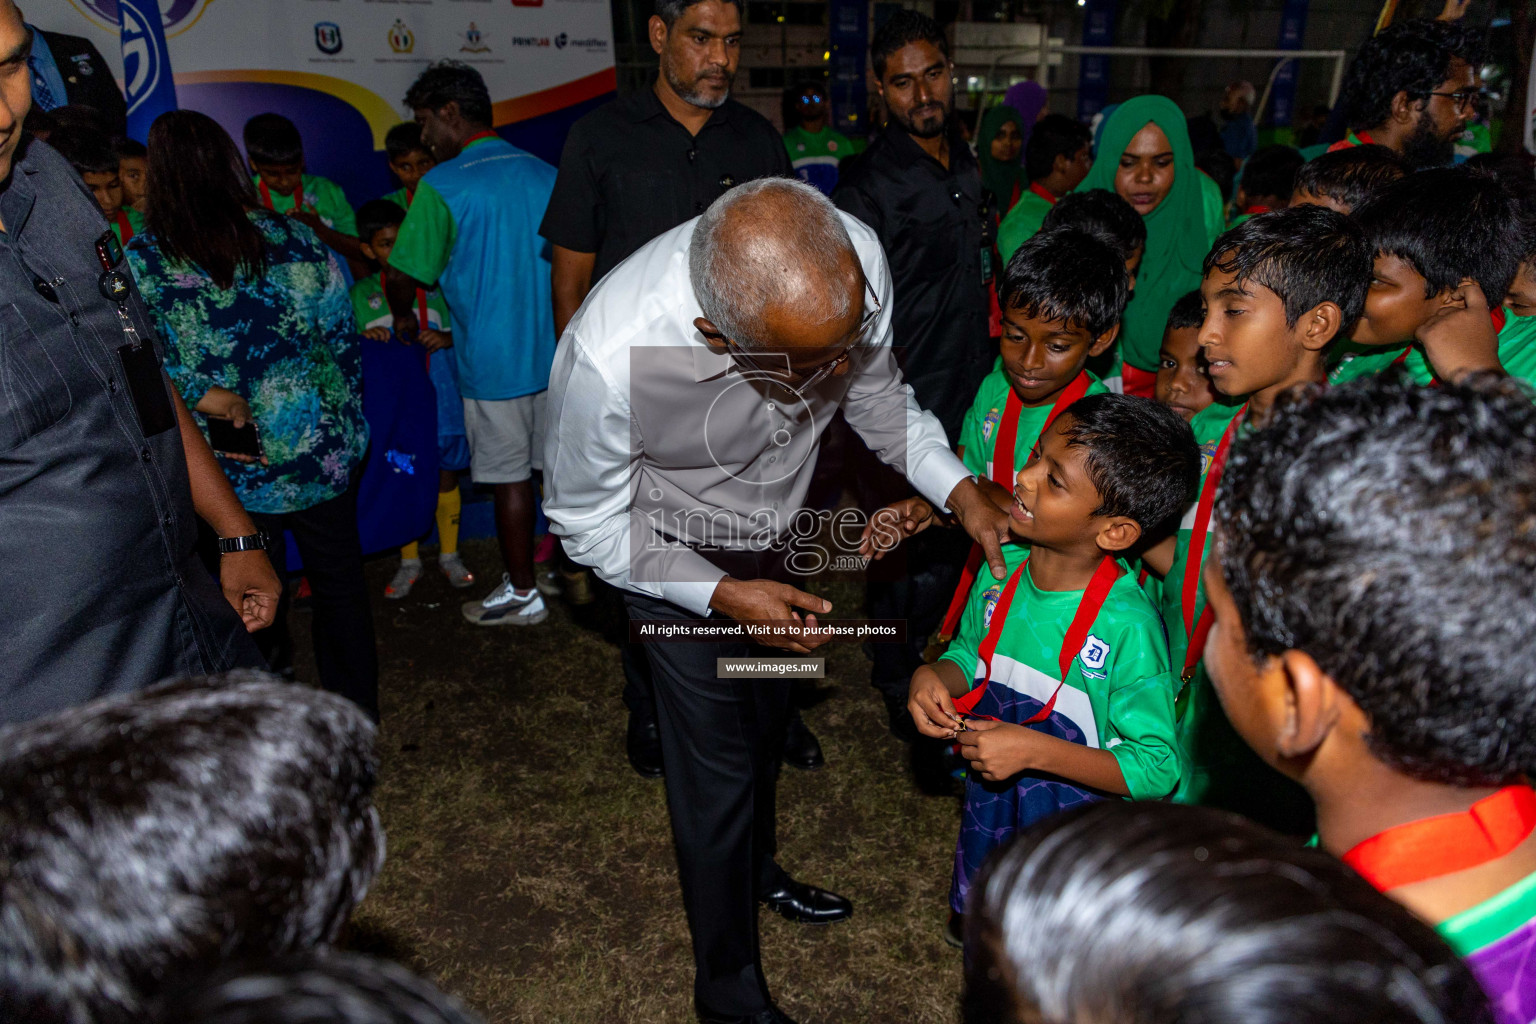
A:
x: 340, y: 68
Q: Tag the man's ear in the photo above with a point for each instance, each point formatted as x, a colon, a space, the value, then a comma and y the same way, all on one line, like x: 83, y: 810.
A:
x: 712, y: 336
x: 1312, y: 704
x: 656, y: 31
x: 1118, y: 534
x: 1102, y: 342
x: 1405, y: 109
x: 1320, y: 325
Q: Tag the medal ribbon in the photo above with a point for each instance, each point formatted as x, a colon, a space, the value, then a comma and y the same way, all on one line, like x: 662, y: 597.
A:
x: 1447, y: 843
x: 1197, y: 631
x: 124, y: 227
x: 266, y: 197
x: 421, y: 306
x: 1077, y: 634
x: 1042, y: 192
x: 1003, y: 473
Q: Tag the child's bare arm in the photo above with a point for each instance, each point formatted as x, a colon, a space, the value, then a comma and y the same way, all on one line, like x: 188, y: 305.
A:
x: 930, y: 699
x: 1001, y: 750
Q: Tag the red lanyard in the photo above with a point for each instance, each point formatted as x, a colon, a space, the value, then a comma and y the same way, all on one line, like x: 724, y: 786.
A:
x: 410, y: 197
x: 124, y: 226
x: 1365, y: 138
x: 1077, y: 634
x: 1042, y: 192
x: 487, y: 134
x: 1254, y: 211
x: 1003, y: 473
x: 1197, y: 631
x: 266, y: 196
x: 1437, y: 846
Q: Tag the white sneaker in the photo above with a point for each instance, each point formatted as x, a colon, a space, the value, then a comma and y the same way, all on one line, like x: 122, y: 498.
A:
x: 404, y: 579
x: 457, y: 572
x: 504, y: 606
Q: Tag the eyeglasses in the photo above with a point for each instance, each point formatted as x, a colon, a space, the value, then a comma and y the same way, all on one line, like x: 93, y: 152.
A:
x: 784, y: 375
x: 1465, y: 99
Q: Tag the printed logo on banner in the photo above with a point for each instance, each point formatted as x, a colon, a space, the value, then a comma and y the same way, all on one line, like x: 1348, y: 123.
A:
x: 401, y: 38
x: 530, y: 40
x: 173, y: 14
x: 560, y: 41
x: 590, y: 43
x: 142, y: 64
x: 474, y: 41
x: 328, y: 37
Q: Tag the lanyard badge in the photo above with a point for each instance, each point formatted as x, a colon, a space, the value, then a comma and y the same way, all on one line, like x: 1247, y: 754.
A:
x: 141, y: 367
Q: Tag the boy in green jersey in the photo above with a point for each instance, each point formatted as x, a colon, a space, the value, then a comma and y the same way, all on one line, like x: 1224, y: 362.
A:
x: 93, y: 158
x: 1278, y: 290
x: 1056, y: 160
x: 276, y: 152
x: 380, y: 222
x: 1058, y: 688
x: 1371, y: 583
x: 409, y: 161
x: 1182, y: 383
x: 1439, y: 236
x: 1346, y: 179
x: 815, y: 150
x: 133, y: 172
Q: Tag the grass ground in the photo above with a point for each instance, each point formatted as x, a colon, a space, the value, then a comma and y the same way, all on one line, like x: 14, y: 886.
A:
x: 531, y: 872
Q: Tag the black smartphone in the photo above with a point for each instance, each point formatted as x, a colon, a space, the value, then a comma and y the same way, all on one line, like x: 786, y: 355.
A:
x: 226, y: 439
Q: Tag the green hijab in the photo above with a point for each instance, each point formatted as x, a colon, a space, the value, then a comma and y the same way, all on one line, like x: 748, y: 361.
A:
x: 1178, y: 235
x: 997, y: 177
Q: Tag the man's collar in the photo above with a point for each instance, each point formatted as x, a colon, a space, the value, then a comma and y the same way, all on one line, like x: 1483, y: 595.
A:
x: 710, y: 362
x: 902, y: 138
x: 646, y: 105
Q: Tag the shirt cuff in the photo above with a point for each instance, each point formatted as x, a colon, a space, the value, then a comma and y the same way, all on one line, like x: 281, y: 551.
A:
x: 694, y: 596
x: 937, y: 477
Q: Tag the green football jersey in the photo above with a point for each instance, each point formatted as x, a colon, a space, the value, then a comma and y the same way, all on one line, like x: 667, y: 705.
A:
x: 1350, y: 361
x: 400, y: 197
x: 321, y: 195
x: 978, y: 431
x: 1517, y: 346
x: 371, y: 308
x: 1120, y: 689
x: 1022, y: 223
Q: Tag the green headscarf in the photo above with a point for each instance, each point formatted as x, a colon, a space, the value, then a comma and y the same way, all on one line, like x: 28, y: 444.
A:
x: 1178, y: 232
x: 997, y: 177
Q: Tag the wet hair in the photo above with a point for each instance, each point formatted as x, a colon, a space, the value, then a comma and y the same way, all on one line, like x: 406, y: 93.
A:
x: 1271, y: 171
x: 321, y: 987
x: 1449, y: 223
x: 1141, y: 457
x: 88, y: 152
x: 1052, y: 136
x: 903, y: 28
x: 670, y: 10
x: 1350, y: 176
x: 1307, y: 255
x: 199, y: 195
x: 1103, y: 214
x: 376, y: 215
x: 272, y: 139
x: 402, y: 140
x: 1188, y: 313
x: 155, y: 836
x: 129, y: 149
x: 1156, y: 913
x: 1412, y: 56
x: 1389, y: 532
x: 1066, y: 275
x: 452, y: 81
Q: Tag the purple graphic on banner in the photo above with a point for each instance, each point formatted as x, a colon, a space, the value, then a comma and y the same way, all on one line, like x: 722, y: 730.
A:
x: 172, y: 12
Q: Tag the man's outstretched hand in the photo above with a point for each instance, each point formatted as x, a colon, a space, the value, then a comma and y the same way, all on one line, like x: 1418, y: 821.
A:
x: 983, y: 520
x: 768, y: 601
x: 893, y: 524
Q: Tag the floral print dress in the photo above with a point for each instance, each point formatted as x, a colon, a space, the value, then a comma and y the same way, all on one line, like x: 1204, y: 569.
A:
x: 284, y: 342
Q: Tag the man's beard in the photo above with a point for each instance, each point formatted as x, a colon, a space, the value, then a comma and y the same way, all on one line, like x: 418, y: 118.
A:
x: 690, y: 91
x: 929, y: 127
x: 1424, y: 148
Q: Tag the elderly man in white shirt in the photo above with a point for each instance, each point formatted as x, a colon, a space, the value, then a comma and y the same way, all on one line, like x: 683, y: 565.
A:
x: 687, y: 402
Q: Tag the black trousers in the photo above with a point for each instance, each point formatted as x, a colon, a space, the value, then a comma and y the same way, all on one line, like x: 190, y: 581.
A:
x: 345, y: 653
x: 721, y: 741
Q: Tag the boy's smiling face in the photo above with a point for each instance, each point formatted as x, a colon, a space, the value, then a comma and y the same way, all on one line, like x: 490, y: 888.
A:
x: 1248, y: 345
x: 1182, y: 384
x: 1395, y: 306
x: 1054, y: 498
x: 1041, y: 357
x: 412, y: 167
x: 284, y: 179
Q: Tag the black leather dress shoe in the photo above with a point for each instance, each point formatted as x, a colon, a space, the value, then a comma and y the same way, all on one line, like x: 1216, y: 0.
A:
x: 801, y: 749
x: 643, y: 745
x: 772, y: 1015
x: 806, y: 904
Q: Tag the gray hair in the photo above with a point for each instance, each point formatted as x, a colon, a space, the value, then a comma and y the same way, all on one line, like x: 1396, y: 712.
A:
x: 768, y: 244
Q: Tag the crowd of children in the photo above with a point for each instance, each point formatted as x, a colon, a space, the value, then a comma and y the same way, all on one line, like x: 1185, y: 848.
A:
x: 1265, y: 592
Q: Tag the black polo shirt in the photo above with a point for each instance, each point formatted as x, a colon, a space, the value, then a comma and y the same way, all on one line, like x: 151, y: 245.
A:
x: 103, y: 591
x: 937, y: 227
x: 630, y: 171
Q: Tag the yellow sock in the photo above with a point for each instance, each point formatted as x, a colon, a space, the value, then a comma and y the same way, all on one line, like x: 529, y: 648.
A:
x: 448, y: 505
x: 411, y: 552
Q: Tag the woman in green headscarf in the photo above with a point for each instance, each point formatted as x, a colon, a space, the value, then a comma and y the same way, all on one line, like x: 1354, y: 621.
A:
x: 999, y: 143
x: 1146, y: 158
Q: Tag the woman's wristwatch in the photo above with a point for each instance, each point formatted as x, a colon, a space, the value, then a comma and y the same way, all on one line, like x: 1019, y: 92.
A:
x: 250, y: 542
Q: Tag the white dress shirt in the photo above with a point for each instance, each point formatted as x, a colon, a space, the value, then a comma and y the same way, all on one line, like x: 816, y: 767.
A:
x: 658, y: 444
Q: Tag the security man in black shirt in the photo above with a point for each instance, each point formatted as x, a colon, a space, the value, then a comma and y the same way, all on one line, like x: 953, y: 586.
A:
x: 639, y: 166
x: 102, y: 470
x: 919, y: 187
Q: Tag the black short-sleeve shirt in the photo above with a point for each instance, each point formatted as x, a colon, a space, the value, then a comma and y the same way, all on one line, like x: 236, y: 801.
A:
x: 630, y: 171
